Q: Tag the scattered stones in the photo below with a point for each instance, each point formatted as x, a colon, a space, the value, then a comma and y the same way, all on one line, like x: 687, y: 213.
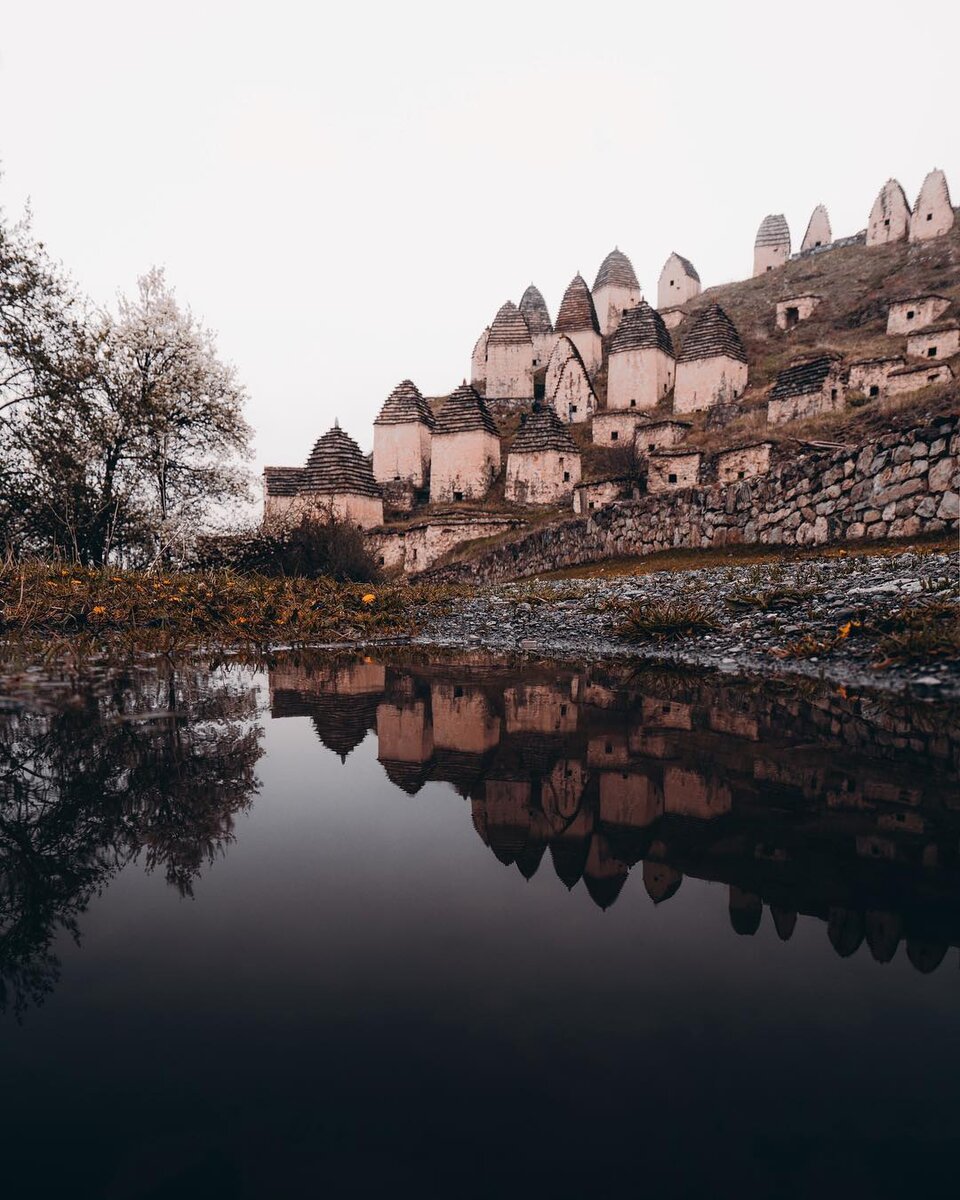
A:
x: 579, y: 618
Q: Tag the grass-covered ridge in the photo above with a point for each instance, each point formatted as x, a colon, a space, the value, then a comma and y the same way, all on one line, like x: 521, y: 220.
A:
x: 203, y: 608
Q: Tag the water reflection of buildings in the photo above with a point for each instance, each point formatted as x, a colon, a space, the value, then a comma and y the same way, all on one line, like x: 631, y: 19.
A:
x: 819, y: 805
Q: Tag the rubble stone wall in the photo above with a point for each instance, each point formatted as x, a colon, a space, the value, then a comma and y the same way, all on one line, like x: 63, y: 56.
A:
x: 902, y: 484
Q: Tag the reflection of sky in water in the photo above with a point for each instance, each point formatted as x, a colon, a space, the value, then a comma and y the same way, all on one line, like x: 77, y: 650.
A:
x: 360, y: 996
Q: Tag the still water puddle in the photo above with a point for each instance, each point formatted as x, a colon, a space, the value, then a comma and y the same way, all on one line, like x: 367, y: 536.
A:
x: 352, y: 927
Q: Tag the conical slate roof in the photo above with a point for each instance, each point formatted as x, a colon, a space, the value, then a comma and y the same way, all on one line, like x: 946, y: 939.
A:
x: 336, y: 465
x: 616, y: 270
x: 508, y: 328
x: 576, y: 309
x: 686, y: 265
x: 642, y: 328
x: 405, y: 405
x: 464, y: 410
x: 773, y: 231
x: 535, y: 311
x: 713, y: 335
x: 543, y: 430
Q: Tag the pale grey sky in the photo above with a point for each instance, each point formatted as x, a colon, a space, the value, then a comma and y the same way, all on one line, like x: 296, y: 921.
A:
x: 348, y: 195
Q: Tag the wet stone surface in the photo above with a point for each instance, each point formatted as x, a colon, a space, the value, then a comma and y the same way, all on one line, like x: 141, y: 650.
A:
x: 579, y: 619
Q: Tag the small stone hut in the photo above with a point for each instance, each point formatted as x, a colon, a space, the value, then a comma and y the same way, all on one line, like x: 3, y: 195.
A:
x: 577, y: 319
x: 573, y: 398
x: 598, y: 493
x: 670, y: 469
x: 337, y: 481
x: 914, y: 312
x: 466, y: 448
x: 534, y: 310
x: 772, y: 246
x: 936, y: 341
x: 794, y: 309
x: 652, y: 436
x: 869, y: 375
x: 509, y: 374
x: 615, y: 290
x: 478, y: 361
x: 818, y: 232
x: 912, y: 379
x: 402, y: 434
x: 678, y: 283
x: 933, y: 213
x: 805, y: 388
x: 615, y: 427
x: 889, y: 219
x: 641, y: 364
x: 712, y: 365
x: 543, y: 466
x: 743, y: 462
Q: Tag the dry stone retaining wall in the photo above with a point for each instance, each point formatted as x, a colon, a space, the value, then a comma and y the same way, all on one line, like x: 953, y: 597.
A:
x: 899, y: 485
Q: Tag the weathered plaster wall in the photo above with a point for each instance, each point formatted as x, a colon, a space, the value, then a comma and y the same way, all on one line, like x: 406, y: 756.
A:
x: 590, y: 347
x: 573, y: 398
x: 810, y: 404
x: 638, y: 378
x: 419, y: 546
x: 743, y: 462
x: 401, y: 452
x: 611, y: 303
x: 905, y: 316
x: 615, y: 427
x: 542, y: 477
x: 590, y: 496
x: 872, y: 374
x: 911, y: 379
x: 464, y: 464
x: 900, y: 485
x: 768, y: 258
x: 675, y: 286
x: 708, y: 381
x: 802, y: 306
x: 665, y: 472
x: 660, y: 435
x: 364, y: 511
x: 509, y: 371
x: 939, y: 343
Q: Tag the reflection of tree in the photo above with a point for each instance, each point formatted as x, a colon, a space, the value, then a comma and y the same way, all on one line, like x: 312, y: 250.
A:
x: 153, y: 763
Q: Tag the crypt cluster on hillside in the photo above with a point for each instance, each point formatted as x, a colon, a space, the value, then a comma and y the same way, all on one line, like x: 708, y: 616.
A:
x: 610, y: 371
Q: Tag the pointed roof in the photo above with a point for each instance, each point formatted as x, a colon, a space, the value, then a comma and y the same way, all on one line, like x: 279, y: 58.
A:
x: 713, y: 335
x: 818, y: 230
x: 542, y: 429
x: 576, y: 309
x: 535, y: 311
x: 508, y: 328
x: 685, y: 265
x: 404, y: 405
x: 573, y: 363
x: 642, y: 328
x: 891, y: 196
x: 337, y: 465
x: 773, y: 231
x: 934, y: 188
x: 464, y: 410
x: 563, y: 349
x: 616, y: 270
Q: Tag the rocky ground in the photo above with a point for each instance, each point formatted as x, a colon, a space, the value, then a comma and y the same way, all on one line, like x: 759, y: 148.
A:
x: 887, y: 622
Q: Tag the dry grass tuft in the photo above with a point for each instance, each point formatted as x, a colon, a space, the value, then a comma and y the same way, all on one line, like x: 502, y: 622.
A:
x: 657, y: 620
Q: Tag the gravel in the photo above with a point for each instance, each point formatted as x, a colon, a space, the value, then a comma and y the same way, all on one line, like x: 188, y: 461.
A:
x: 577, y: 619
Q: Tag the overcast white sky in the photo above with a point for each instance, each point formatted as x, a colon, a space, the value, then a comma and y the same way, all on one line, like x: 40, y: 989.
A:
x: 347, y: 194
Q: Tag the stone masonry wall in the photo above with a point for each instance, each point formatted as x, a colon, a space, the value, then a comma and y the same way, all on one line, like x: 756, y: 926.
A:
x: 899, y: 485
